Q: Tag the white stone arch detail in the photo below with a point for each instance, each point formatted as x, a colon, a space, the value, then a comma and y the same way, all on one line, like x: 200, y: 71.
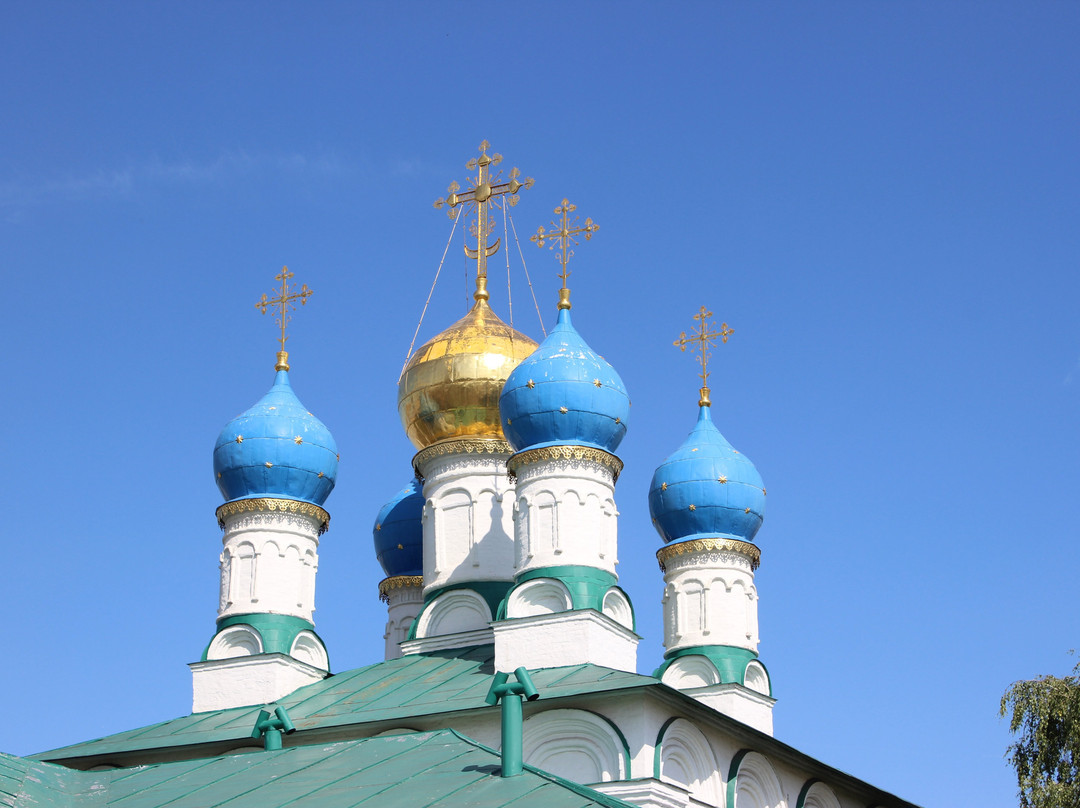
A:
x: 816, y: 794
x: 543, y: 528
x: 242, y: 583
x: 756, y: 784
x: 756, y: 678
x: 224, y: 595
x: 307, y: 648
x: 690, y: 610
x: 687, y: 759
x: 671, y: 627
x: 617, y: 606
x: 453, y: 612
x: 235, y: 641
x: 575, y: 744
x: 539, y: 596
x: 693, y: 670
x: 454, y: 523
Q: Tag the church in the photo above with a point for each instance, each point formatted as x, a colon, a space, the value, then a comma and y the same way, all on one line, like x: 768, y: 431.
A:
x: 511, y: 672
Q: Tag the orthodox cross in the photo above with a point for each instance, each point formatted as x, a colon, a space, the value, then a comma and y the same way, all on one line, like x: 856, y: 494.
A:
x: 484, y: 190
x: 701, y: 340
x: 284, y: 303
x: 563, y: 234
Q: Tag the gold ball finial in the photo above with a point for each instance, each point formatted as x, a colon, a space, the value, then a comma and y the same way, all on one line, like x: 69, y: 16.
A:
x: 282, y: 360
x: 481, y: 292
x: 564, y: 298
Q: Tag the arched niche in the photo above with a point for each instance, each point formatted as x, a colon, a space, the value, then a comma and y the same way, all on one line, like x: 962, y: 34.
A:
x: 453, y: 612
x: 815, y: 794
x: 577, y: 745
x: 756, y: 678
x: 617, y: 607
x: 235, y: 641
x: 752, y: 783
x: 538, y: 596
x: 684, y: 757
x: 308, y: 649
x: 693, y: 670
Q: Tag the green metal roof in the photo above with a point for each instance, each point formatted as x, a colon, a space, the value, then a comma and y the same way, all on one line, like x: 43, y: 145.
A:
x: 415, y: 770
x: 421, y: 685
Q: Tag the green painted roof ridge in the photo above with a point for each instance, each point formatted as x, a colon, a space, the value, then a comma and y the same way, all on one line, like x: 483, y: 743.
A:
x: 232, y: 724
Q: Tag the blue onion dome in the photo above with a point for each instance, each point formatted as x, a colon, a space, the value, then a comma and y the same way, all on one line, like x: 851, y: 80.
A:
x: 399, y: 532
x: 276, y: 449
x: 706, y: 489
x: 564, y: 394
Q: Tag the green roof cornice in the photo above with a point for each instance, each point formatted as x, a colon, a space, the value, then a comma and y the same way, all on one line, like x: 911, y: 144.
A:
x: 729, y: 660
x: 587, y: 586
x: 278, y: 631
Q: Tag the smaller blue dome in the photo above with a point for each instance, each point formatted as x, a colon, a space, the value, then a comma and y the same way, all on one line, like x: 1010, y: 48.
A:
x: 706, y: 489
x: 399, y: 532
x: 276, y: 449
x: 564, y: 394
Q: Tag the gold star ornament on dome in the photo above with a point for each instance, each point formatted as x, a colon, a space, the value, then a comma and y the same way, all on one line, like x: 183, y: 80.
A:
x: 563, y: 233
x: 701, y: 340
x: 284, y: 303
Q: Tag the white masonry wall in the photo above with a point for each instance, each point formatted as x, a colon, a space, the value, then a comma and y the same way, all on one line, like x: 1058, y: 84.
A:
x: 565, y: 515
x: 403, y: 603
x: 468, y: 519
x: 710, y: 599
x: 268, y: 564
x: 582, y: 739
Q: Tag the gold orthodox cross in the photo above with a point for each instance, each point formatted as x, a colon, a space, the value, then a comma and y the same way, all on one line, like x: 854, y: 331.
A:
x: 284, y: 303
x: 701, y: 340
x: 563, y: 234
x: 484, y: 190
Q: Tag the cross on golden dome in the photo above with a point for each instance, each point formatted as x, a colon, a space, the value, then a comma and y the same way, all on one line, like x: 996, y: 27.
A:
x: 484, y: 190
x: 284, y: 303
x: 701, y: 340
x: 563, y: 234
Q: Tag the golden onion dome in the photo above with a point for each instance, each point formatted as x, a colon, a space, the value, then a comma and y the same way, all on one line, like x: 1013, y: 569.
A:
x: 450, y: 387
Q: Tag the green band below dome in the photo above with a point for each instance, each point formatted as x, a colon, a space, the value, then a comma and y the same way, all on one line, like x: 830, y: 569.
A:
x: 277, y: 631
x: 730, y: 661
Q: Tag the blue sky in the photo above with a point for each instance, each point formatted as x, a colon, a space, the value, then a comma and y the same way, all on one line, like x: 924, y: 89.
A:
x: 880, y: 198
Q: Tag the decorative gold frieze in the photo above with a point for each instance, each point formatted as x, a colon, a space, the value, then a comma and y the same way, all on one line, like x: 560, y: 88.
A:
x: 531, y: 456
x: 388, y: 585
x: 744, y: 548
x: 273, y: 505
x: 460, y: 446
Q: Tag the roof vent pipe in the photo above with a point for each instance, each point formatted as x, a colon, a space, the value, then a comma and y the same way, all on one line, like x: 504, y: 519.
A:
x: 271, y: 729
x: 511, y: 694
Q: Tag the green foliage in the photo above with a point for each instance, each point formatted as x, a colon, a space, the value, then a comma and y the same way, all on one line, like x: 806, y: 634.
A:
x: 1045, y: 712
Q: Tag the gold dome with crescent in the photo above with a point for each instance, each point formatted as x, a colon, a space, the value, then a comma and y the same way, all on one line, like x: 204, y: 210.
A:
x: 450, y: 387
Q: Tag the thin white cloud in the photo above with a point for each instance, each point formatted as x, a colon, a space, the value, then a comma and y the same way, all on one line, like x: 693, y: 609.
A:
x: 156, y: 173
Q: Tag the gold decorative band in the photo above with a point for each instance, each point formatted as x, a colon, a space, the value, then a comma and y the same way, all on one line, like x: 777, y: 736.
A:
x: 530, y: 456
x: 459, y: 446
x: 280, y: 505
x: 388, y: 585
x: 745, y: 548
